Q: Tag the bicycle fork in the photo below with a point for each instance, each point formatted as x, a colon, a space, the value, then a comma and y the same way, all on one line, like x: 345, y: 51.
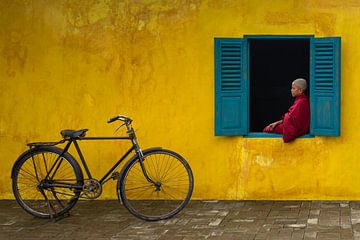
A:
x: 141, y: 159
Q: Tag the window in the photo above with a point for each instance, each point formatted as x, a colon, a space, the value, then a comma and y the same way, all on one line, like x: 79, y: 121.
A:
x: 246, y: 67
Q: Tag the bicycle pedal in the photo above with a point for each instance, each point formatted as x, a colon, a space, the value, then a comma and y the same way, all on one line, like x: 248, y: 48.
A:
x: 115, y: 175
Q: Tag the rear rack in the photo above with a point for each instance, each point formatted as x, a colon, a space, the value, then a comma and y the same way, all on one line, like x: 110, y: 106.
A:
x: 39, y: 144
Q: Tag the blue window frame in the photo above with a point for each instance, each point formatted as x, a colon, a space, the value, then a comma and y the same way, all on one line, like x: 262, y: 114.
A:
x: 232, y: 85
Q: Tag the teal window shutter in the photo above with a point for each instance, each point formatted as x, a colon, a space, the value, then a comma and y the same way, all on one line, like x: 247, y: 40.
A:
x: 325, y: 86
x: 231, y: 95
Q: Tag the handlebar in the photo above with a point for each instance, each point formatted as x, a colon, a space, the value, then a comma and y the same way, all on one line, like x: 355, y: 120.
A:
x: 122, y: 118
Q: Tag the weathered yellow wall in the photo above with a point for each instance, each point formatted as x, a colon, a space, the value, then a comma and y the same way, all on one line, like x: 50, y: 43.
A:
x: 73, y: 64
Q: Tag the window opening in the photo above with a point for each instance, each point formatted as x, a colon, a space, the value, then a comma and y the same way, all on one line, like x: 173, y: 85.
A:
x: 274, y: 64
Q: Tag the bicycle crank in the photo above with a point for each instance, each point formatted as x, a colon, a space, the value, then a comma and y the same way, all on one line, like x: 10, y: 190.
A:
x: 92, y: 188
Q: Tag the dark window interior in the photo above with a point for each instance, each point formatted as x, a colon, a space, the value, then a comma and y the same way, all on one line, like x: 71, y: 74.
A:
x: 274, y: 64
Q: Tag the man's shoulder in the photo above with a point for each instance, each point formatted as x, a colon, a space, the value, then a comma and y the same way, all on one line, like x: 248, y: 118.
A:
x: 303, y: 98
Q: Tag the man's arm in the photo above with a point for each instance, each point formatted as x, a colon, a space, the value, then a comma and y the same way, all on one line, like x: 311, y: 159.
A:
x: 296, y: 120
x: 271, y: 126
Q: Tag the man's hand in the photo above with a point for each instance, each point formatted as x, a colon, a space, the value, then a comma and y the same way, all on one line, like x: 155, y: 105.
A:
x: 271, y: 126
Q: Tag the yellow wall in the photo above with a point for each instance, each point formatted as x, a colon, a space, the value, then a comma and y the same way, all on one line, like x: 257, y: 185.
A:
x: 73, y: 64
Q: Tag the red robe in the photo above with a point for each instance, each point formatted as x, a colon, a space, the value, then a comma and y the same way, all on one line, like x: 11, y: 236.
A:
x: 296, y: 121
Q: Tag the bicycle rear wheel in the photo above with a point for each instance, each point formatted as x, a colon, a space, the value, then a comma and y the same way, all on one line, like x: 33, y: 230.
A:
x: 51, y: 197
x: 168, y: 196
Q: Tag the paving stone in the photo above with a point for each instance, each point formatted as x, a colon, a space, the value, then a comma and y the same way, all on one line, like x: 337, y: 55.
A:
x: 329, y: 222
x: 328, y: 235
x: 298, y: 234
x: 356, y: 227
x: 310, y: 234
x: 261, y: 236
x: 328, y: 205
x: 296, y: 225
x: 216, y: 222
x: 315, y: 212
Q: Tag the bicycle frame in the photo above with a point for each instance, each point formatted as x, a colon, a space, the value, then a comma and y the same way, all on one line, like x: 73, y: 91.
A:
x: 135, y: 147
x: 132, y: 148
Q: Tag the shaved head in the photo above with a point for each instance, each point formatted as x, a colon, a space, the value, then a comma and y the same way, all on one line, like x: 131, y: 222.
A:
x: 300, y: 83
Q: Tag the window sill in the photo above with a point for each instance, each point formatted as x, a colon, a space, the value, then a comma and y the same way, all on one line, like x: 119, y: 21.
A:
x: 271, y: 135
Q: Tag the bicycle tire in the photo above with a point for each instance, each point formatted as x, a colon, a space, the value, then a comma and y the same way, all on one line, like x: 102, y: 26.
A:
x: 154, y: 204
x: 31, y: 168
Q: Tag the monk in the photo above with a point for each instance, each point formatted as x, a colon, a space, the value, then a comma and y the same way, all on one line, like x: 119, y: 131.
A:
x: 296, y: 121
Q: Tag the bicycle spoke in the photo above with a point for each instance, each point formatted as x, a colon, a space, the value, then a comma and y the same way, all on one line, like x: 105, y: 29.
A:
x: 45, y: 163
x: 36, y: 174
x: 140, y: 187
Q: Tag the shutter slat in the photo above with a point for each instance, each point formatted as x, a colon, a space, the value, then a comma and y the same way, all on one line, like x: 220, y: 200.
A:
x: 231, y: 70
x: 230, y: 75
x: 324, y: 61
x: 320, y: 75
x: 231, y: 63
x: 323, y: 48
x: 230, y: 58
x: 324, y: 57
x: 324, y: 70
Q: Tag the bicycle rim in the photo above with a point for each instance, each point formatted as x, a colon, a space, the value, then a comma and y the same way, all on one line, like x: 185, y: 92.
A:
x: 152, y: 202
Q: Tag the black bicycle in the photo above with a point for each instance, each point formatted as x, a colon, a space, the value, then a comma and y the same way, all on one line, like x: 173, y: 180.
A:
x: 47, y: 181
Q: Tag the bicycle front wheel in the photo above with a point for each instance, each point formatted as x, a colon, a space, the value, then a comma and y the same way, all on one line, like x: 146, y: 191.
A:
x: 167, y: 196
x: 46, y: 197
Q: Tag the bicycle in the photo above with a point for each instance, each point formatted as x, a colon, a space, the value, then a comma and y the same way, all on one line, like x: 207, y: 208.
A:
x: 47, y: 181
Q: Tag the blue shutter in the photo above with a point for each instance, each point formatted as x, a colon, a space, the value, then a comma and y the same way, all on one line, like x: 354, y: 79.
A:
x: 325, y: 86
x: 231, y: 98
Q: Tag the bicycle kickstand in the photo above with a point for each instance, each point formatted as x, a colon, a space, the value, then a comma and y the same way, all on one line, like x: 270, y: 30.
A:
x: 51, y: 209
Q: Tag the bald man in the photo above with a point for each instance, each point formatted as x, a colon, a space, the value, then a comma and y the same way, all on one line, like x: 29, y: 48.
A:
x: 296, y: 121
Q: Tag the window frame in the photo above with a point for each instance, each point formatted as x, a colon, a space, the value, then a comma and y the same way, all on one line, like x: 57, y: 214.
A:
x: 244, y: 78
x: 249, y: 37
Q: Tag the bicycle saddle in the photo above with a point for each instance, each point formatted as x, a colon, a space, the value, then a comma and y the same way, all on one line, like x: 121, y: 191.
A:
x: 73, y: 133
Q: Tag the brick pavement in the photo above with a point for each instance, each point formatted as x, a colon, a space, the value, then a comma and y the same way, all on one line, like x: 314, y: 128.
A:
x: 199, y: 220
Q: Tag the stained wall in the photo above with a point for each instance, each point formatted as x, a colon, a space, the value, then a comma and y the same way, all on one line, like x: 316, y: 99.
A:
x: 73, y: 64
